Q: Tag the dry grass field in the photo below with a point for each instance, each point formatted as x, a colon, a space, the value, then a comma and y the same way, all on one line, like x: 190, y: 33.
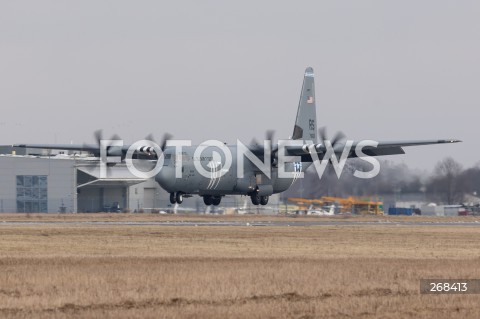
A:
x: 121, y: 271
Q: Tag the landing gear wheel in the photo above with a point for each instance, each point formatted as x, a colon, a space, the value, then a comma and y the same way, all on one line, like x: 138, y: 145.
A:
x: 179, y: 197
x: 216, y: 200
x: 255, y: 199
x: 208, y: 200
x: 264, y: 200
x: 173, y: 199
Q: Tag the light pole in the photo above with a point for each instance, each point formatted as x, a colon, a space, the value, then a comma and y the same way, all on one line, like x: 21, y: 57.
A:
x: 75, y: 191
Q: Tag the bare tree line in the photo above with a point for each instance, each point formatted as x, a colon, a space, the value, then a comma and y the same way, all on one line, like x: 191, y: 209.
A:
x: 448, y: 183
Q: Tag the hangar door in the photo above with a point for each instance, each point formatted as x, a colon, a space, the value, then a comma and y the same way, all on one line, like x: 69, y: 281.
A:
x: 149, y: 198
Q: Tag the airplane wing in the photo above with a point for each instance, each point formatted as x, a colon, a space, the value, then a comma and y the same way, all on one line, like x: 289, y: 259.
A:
x: 383, y: 148
x: 68, y: 147
x: 396, y: 147
x: 147, y: 153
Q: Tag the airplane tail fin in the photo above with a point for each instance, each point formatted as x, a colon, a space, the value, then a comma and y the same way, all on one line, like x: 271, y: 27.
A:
x: 306, y: 122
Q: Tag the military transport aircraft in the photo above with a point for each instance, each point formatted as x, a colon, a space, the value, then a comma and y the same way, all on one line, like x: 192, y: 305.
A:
x: 213, y: 170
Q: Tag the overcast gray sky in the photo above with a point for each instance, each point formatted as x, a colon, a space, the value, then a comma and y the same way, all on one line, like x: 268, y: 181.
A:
x: 223, y: 70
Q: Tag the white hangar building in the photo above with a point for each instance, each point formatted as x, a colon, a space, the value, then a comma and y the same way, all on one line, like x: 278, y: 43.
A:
x: 64, y: 183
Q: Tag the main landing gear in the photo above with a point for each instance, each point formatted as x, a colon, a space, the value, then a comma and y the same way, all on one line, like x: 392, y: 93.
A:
x: 259, y: 200
x: 212, y: 200
x: 176, y: 198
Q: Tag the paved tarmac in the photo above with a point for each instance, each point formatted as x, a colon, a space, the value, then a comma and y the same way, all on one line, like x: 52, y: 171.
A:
x: 241, y: 223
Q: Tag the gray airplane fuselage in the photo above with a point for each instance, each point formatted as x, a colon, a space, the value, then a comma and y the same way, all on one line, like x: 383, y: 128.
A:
x: 191, y: 181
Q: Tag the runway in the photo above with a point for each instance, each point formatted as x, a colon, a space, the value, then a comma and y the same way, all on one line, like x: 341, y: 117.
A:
x: 221, y: 223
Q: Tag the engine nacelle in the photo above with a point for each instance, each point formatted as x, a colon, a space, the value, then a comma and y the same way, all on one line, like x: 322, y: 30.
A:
x: 308, y: 147
x: 244, y: 185
x: 265, y: 190
x: 146, y: 150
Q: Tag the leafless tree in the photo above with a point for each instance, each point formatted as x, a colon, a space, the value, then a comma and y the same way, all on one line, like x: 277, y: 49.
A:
x: 444, y: 184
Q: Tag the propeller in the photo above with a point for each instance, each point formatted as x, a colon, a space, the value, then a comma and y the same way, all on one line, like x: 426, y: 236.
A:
x: 322, y: 132
x: 259, y: 148
x: 339, y: 136
x: 165, y: 138
x: 98, y: 136
x: 150, y: 137
x: 163, y: 142
x: 269, y: 135
x: 115, y: 137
